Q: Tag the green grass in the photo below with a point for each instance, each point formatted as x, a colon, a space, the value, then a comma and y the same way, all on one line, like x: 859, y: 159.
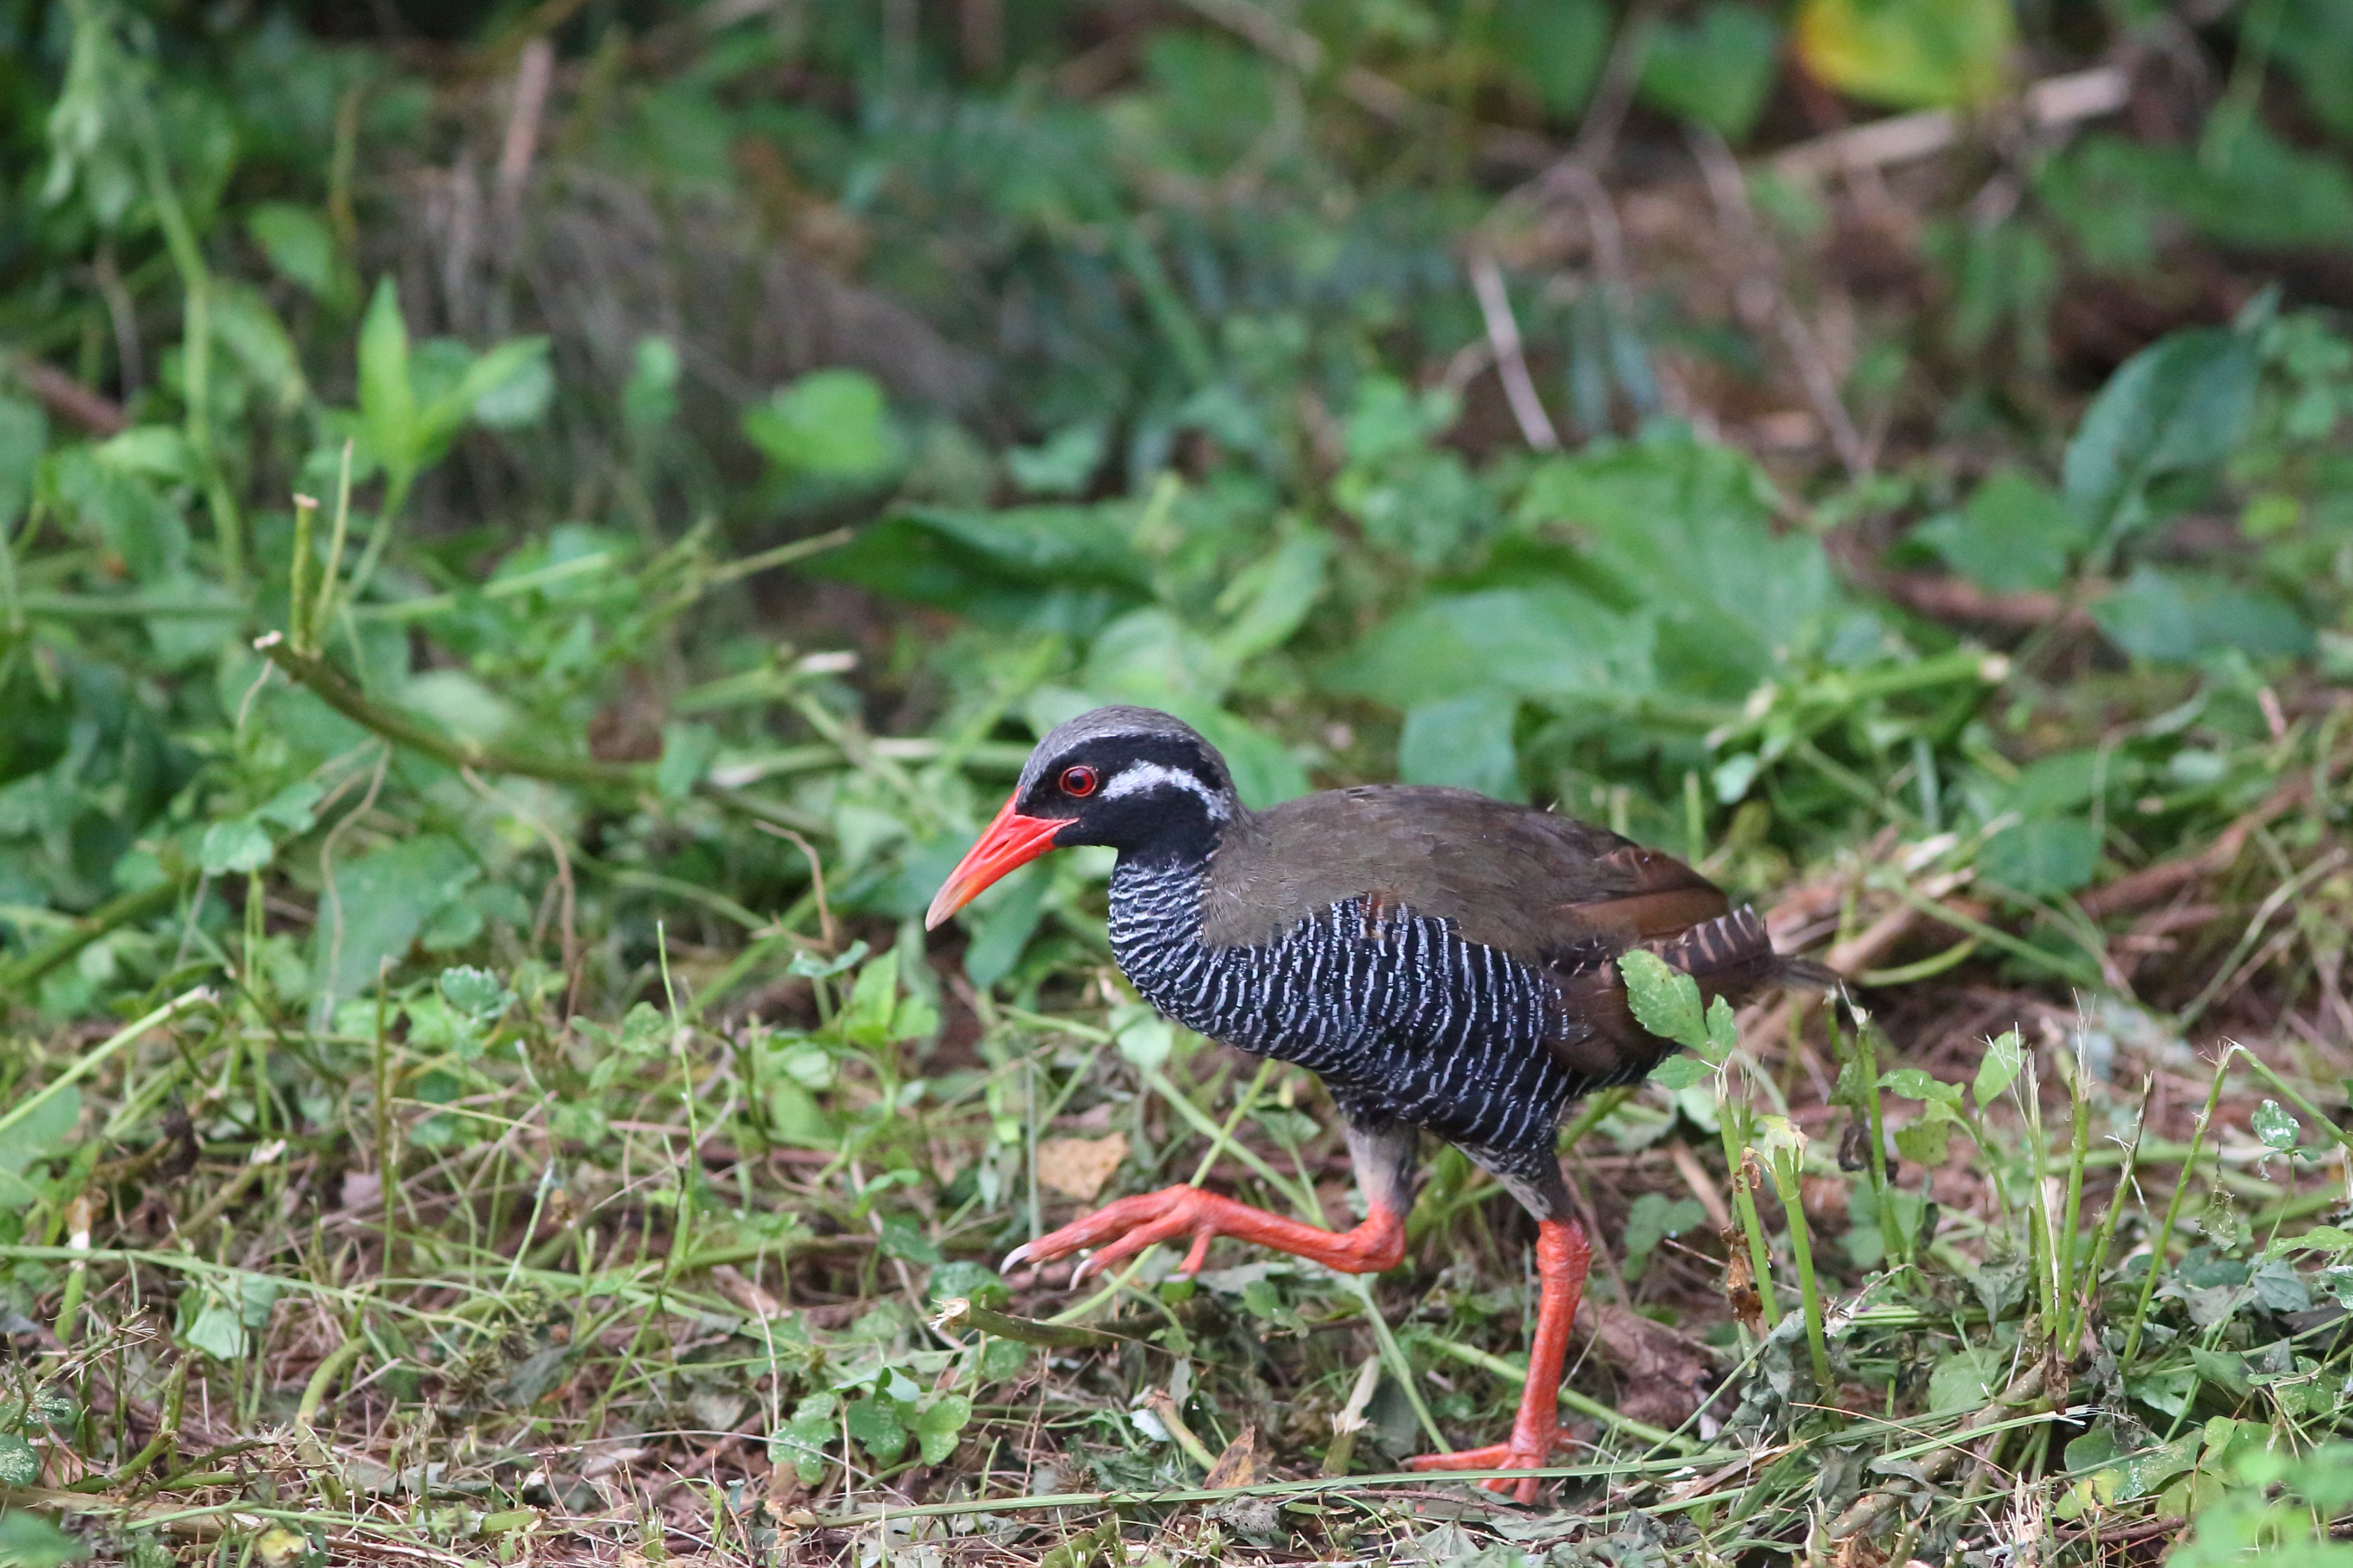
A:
x: 504, y: 622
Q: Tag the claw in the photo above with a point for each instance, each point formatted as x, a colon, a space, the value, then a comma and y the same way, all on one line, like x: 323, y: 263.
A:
x: 1015, y: 1259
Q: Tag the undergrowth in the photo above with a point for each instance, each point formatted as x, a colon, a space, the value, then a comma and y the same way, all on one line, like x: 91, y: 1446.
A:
x: 529, y: 547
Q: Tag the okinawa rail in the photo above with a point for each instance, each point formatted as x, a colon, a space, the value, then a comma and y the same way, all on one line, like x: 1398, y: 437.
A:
x: 1444, y: 961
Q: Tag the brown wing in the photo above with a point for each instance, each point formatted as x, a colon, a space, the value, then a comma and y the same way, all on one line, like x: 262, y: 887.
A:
x: 1537, y: 885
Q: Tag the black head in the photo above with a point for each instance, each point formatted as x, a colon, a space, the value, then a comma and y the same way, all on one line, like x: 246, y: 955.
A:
x: 1134, y: 778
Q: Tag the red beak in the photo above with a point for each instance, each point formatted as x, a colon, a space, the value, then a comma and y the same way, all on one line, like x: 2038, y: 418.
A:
x: 1012, y: 840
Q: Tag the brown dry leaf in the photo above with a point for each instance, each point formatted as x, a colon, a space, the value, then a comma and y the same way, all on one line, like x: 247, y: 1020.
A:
x: 1077, y: 1167
x: 1238, y: 1465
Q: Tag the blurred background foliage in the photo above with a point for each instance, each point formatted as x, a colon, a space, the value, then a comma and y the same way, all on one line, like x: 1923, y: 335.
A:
x: 1153, y: 353
x: 533, y: 535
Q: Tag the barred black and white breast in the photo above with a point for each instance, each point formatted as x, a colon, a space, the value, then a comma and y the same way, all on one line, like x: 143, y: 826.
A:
x: 1440, y: 959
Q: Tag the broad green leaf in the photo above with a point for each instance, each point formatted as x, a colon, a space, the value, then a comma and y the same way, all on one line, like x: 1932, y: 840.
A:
x: 2047, y: 856
x: 2014, y: 535
x: 240, y: 844
x: 1002, y: 924
x: 1556, y: 47
x: 1065, y: 569
x: 1966, y: 1379
x: 24, y: 436
x: 291, y: 808
x: 829, y: 424
x: 219, y: 1332
x: 1715, y: 70
x: 866, y: 1020
x: 1927, y: 1139
x: 1723, y: 1030
x: 813, y: 966
x: 1907, y: 54
x: 2005, y: 1055
x: 1544, y: 640
x: 40, y: 1133
x: 297, y: 243
x: 1653, y: 1217
x: 388, y: 413
x: 2179, y: 404
x: 2314, y: 40
x: 939, y: 1423
x: 880, y: 1426
x: 962, y: 1278
x: 1666, y: 1000
x: 1680, y: 1071
x: 1913, y: 1083
x: 649, y: 400
x: 2274, y: 1127
x: 903, y: 1237
x: 510, y: 387
x: 477, y: 993
x: 801, y: 1441
x: 1145, y: 1038
x: 1063, y: 465
x: 20, y: 1462
x: 244, y: 323
x: 1269, y: 597
x: 2172, y: 617
x: 28, y: 1541
x: 383, y: 900
x: 1465, y: 741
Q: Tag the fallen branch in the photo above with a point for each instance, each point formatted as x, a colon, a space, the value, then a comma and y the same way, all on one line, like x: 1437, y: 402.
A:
x: 66, y: 398
x: 2153, y: 884
x: 2050, y: 104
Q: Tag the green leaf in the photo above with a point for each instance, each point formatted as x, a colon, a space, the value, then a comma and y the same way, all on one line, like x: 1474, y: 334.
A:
x: 866, y: 1020
x: 649, y: 400
x: 299, y: 244
x: 1927, y: 1140
x: 1907, y: 54
x: 1653, y: 1217
x: 2013, y: 535
x: 43, y: 1132
x: 1913, y: 1083
x: 28, y: 1541
x: 1544, y: 640
x: 20, y: 1462
x: 1665, y: 1001
x: 219, y: 1332
x: 1966, y: 1379
x: 877, y: 1423
x: 2005, y: 1056
x: 2274, y: 1127
x: 2171, y: 617
x: 477, y: 993
x: 1680, y: 1072
x: 830, y: 424
x: 1065, y: 569
x: 510, y: 387
x: 1465, y: 741
x: 938, y: 1425
x: 240, y: 844
x: 1556, y: 47
x: 2180, y: 404
x: 963, y: 1279
x: 1715, y: 70
x: 1004, y: 922
x: 801, y: 1441
x: 1061, y: 465
x: 388, y: 414
x: 385, y: 899
x: 24, y: 436
x: 1145, y: 1038
x: 903, y: 1237
x: 2041, y: 857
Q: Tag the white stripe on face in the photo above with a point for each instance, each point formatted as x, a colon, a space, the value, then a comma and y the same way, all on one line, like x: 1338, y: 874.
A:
x: 1142, y: 778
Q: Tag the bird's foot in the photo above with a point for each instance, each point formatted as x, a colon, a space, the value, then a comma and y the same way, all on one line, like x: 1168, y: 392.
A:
x: 1524, y: 1450
x: 1121, y: 1230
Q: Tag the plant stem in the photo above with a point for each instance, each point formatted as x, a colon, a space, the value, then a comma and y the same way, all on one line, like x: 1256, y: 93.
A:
x: 2164, y: 1236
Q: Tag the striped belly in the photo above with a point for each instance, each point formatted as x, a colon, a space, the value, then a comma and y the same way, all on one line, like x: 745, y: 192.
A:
x: 1404, y: 1019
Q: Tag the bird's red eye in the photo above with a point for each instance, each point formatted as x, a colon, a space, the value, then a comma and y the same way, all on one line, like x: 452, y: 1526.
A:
x: 1078, y: 781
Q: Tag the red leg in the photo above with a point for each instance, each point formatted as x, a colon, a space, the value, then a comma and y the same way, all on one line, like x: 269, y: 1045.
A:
x: 1563, y: 1256
x: 1125, y: 1228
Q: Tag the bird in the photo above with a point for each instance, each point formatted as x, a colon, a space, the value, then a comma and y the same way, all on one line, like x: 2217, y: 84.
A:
x: 1444, y: 961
